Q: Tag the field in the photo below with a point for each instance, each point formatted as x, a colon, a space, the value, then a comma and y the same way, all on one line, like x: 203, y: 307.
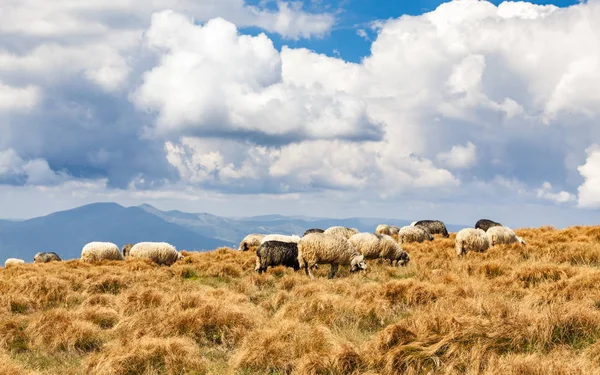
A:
x: 511, y: 310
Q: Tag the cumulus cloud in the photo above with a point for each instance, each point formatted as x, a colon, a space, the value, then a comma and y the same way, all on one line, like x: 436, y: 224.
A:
x: 468, y: 102
x: 16, y: 171
x: 545, y: 192
x: 589, y: 191
x: 18, y: 98
x: 459, y: 156
x: 213, y: 81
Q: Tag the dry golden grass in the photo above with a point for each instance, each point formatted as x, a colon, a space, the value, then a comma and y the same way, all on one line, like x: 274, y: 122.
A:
x: 510, y: 310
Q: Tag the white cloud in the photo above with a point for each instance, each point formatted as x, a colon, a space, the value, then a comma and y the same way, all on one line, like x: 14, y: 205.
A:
x: 65, y: 18
x: 561, y: 197
x: 363, y: 34
x: 589, y: 191
x: 468, y: 102
x: 211, y: 79
x: 36, y: 172
x: 18, y: 98
x: 459, y: 156
x: 99, y: 40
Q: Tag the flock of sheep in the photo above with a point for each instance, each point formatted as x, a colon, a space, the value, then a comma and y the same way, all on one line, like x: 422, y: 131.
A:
x: 158, y: 252
x: 335, y: 246
x: 348, y: 247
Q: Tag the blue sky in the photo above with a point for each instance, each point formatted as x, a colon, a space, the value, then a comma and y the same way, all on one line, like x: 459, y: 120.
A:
x: 480, y: 108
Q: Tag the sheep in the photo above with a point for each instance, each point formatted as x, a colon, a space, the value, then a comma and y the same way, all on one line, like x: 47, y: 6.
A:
x: 323, y: 248
x: 280, y: 237
x: 486, y: 224
x: 12, y: 262
x: 159, y: 252
x: 414, y: 234
x: 502, y: 235
x: 96, y: 251
x: 251, y: 242
x: 313, y: 230
x: 379, y: 246
x: 275, y: 253
x: 341, y: 231
x: 433, y: 226
x: 470, y: 239
x: 46, y: 257
x: 126, y: 249
x: 390, y: 230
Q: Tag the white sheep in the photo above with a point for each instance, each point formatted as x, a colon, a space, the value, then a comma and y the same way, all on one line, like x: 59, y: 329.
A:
x: 323, y: 248
x: 471, y: 239
x: 341, y: 231
x: 390, y: 230
x: 158, y: 252
x: 97, y: 251
x: 379, y: 246
x: 251, y: 242
x: 502, y: 235
x: 13, y: 262
x: 413, y: 234
x: 281, y: 238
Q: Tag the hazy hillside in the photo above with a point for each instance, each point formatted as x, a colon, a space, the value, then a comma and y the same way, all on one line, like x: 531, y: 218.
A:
x: 66, y: 232
x: 234, y: 229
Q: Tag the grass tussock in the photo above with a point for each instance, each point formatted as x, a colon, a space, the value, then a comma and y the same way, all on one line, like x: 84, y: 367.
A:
x: 510, y: 310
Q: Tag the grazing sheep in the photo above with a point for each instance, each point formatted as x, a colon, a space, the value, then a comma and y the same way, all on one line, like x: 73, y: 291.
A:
x: 313, y: 230
x: 13, y: 261
x: 433, y: 226
x: 158, y: 252
x: 414, y: 234
x: 97, y: 251
x: 390, y: 230
x: 502, y: 235
x: 486, y: 224
x: 275, y: 253
x: 46, y: 257
x: 251, y: 242
x: 323, y: 248
x: 280, y: 237
x: 379, y: 246
x: 470, y: 239
x: 126, y: 249
x: 341, y: 231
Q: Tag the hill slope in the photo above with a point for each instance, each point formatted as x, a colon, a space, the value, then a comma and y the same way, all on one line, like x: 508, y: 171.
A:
x: 511, y: 310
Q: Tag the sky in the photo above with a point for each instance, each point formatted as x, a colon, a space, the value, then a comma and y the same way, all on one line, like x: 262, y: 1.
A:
x: 454, y: 110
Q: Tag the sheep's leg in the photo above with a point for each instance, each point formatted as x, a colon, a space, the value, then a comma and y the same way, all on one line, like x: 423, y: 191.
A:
x: 257, y: 266
x: 309, y: 272
x: 333, y: 270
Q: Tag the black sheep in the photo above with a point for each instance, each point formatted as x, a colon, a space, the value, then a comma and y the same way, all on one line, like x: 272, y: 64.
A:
x: 46, y: 257
x: 313, y: 230
x: 277, y: 253
x: 485, y: 224
x: 434, y: 226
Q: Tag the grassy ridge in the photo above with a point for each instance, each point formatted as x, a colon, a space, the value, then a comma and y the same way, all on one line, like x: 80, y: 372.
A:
x: 511, y: 310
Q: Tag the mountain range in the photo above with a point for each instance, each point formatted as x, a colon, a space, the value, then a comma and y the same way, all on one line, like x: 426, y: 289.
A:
x: 65, y: 232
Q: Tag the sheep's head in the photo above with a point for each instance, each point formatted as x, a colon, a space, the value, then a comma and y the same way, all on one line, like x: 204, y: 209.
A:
x: 358, y: 263
x: 521, y: 241
x: 243, y: 246
x: 126, y: 249
x: 403, y: 259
